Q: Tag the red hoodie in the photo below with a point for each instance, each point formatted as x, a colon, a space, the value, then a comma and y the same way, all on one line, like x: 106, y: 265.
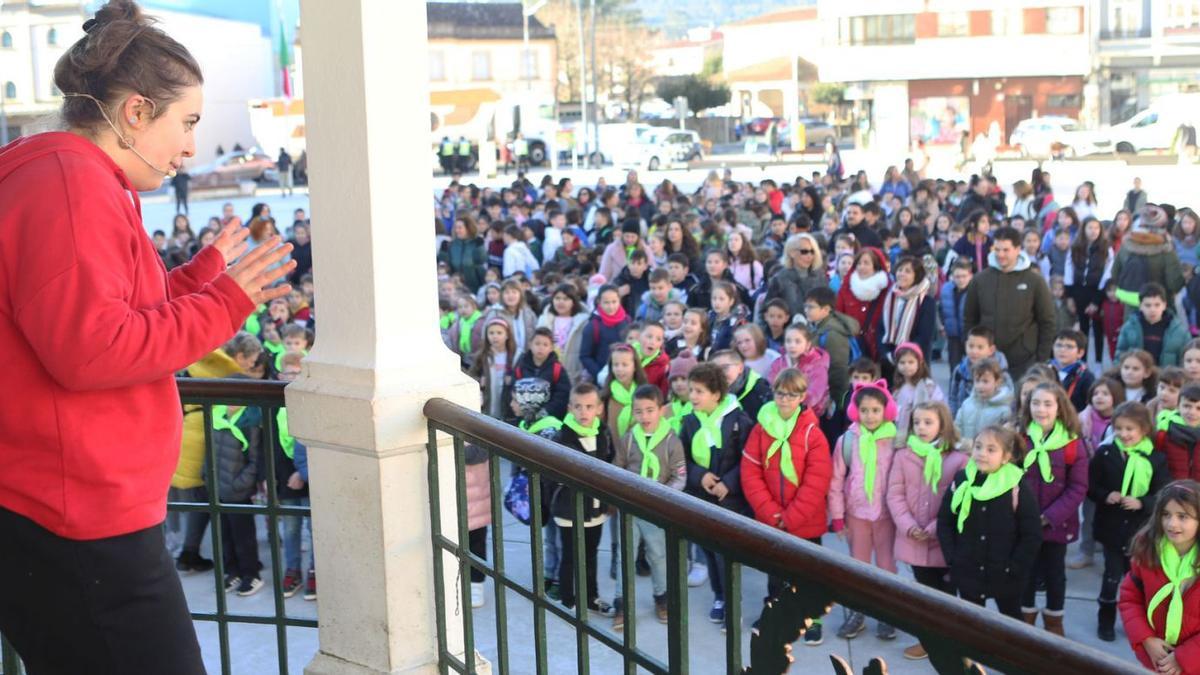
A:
x: 92, y: 330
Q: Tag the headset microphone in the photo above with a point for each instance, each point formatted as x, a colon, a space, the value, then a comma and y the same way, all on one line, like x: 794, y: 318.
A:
x: 169, y: 173
x: 123, y: 140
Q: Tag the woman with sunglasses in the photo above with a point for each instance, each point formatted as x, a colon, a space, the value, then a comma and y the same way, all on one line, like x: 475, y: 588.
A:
x: 803, y: 270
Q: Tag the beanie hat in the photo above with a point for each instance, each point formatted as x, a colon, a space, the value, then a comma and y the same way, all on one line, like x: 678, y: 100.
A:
x: 681, y: 366
x: 1153, y: 219
x: 632, y: 225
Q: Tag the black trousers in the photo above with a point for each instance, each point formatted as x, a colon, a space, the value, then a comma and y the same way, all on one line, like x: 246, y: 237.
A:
x: 1051, y: 567
x: 955, y: 349
x: 1009, y: 605
x: 566, y: 562
x: 103, y: 607
x: 1116, y: 566
x: 240, y: 540
x: 477, y: 544
x: 181, y: 202
x: 937, y: 578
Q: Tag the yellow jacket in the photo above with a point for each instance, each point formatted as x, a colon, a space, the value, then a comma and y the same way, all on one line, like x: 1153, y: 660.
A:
x: 188, y: 474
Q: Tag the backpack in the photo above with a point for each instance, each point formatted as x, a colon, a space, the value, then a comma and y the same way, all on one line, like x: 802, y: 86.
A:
x: 555, y: 373
x: 856, y: 350
x: 1135, y: 273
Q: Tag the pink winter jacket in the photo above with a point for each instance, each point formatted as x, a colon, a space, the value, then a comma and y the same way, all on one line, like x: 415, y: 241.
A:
x: 847, y: 494
x: 913, y: 504
x: 907, y: 398
x: 815, y: 366
x: 479, y: 496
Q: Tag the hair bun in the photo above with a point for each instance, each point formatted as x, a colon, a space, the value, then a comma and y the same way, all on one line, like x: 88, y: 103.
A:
x: 119, y: 10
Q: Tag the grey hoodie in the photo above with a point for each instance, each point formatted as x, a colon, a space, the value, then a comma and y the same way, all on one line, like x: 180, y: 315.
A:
x: 1018, y: 307
x: 977, y: 413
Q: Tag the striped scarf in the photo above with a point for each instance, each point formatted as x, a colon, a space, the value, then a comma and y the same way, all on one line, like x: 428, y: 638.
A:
x: 898, y: 324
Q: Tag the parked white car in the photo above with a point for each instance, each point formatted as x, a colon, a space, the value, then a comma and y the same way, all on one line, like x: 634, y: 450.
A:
x: 1051, y: 136
x: 1155, y: 128
x: 665, y: 148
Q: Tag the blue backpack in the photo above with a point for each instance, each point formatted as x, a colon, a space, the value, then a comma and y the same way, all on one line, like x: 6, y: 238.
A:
x: 856, y: 350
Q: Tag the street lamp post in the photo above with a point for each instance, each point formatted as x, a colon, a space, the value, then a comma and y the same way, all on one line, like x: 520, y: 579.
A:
x: 582, y: 77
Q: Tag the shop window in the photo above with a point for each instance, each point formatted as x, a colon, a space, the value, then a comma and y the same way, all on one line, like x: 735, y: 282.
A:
x: 887, y: 29
x: 1062, y: 20
x: 1064, y: 101
x: 953, y: 24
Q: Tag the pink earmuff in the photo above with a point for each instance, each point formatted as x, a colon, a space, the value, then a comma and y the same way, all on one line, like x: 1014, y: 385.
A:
x: 889, y: 410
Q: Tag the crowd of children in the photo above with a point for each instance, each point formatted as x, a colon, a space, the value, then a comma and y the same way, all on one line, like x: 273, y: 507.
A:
x: 674, y: 342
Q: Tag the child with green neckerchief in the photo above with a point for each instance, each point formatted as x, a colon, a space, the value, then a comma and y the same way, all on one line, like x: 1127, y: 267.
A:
x: 652, y: 450
x: 1056, y: 471
x: 989, y: 525
x: 713, y: 436
x: 582, y: 431
x: 1123, y: 478
x: 625, y: 374
x: 1159, y: 601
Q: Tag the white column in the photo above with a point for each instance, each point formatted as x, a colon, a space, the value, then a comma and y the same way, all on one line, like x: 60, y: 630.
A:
x: 378, y: 357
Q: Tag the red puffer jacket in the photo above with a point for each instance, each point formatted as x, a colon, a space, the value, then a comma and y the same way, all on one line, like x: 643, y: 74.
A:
x: 1138, y: 587
x: 865, y: 312
x: 1179, y: 443
x: 802, y: 506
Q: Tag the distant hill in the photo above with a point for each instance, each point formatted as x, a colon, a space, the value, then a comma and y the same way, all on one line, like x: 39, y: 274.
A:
x: 676, y: 16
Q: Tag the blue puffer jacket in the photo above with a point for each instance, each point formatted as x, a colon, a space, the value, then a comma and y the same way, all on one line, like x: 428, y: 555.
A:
x: 950, y: 307
x: 595, y: 343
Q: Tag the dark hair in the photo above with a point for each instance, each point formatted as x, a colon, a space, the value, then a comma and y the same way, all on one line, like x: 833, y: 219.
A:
x: 983, y: 332
x: 729, y: 290
x: 648, y: 392
x: 122, y: 53
x: 679, y: 259
x: 1135, y: 412
x: 583, y: 389
x: 659, y: 275
x: 922, y: 365
x: 917, y: 268
x: 1172, y: 376
x: 991, y: 366
x: 1190, y: 392
x: 1152, y: 290
x: 1007, y: 438
x: 822, y: 295
x: 865, y: 365
x: 1066, y: 412
x: 1144, y: 548
x: 711, y: 377
x: 638, y: 256
x: 1115, y: 387
x: 1075, y: 336
x: 872, y: 393
x: 542, y: 331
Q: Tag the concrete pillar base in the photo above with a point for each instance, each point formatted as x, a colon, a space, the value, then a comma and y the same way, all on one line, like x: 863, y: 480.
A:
x: 327, y: 664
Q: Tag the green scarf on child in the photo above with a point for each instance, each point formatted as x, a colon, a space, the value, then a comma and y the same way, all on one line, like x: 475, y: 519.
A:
x: 465, y: 326
x: 1044, y: 444
x: 780, y: 430
x: 709, y: 434
x: 1138, y: 469
x: 679, y: 410
x: 932, y: 453
x: 624, y: 396
x: 997, y: 483
x: 1166, y: 417
x: 647, y: 359
x: 651, y: 467
x: 583, y: 432
x: 868, y: 449
x: 1179, y: 569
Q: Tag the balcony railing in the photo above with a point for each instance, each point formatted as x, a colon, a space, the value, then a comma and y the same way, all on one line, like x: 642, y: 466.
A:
x: 950, y: 629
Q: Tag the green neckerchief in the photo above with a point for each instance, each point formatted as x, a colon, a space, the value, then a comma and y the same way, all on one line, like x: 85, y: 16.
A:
x: 221, y: 422
x: 751, y: 380
x: 547, y: 422
x: 624, y: 396
x: 1138, y: 470
x: 1178, y: 570
x: 253, y: 325
x: 651, y: 467
x: 465, y: 327
x: 780, y: 430
x: 583, y: 432
x: 286, y: 440
x: 647, y: 359
x: 629, y: 252
x: 1042, y: 447
x: 932, y: 452
x: 274, y: 347
x: 997, y: 483
x: 446, y: 321
x: 708, y: 436
x: 1165, y: 417
x: 868, y: 449
x: 679, y: 410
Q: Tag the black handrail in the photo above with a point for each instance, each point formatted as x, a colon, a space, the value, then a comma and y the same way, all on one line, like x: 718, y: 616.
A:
x: 263, y: 392
x: 992, y: 638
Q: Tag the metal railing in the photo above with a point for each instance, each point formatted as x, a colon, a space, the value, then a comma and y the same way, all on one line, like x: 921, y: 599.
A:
x: 269, y: 397
x: 951, y: 630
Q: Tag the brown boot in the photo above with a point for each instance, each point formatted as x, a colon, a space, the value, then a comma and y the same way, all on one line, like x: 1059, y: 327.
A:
x: 1029, y: 617
x: 1053, y: 624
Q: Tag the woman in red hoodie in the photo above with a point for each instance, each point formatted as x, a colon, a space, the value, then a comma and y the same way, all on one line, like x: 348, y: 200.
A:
x: 93, y: 329
x: 861, y: 296
x: 786, y: 470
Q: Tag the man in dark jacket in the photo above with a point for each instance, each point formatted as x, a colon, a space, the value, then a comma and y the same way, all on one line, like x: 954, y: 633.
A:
x: 980, y: 198
x: 856, y: 225
x: 1012, y: 299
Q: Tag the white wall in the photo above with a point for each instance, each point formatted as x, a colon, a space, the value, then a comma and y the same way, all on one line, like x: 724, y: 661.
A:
x: 506, y: 71
x: 29, y: 64
x: 748, y: 45
x: 239, y: 64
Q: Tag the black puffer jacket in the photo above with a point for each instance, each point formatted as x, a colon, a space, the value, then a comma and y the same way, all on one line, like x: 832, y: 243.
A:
x: 560, y: 497
x: 993, y: 554
x: 726, y: 463
x: 1113, y: 525
x: 238, y: 468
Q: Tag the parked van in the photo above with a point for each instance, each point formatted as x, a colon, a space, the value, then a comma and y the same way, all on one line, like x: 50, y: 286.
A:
x: 1156, y: 128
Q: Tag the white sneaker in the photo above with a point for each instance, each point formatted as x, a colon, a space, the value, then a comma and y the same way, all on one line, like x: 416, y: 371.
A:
x: 697, y: 575
x: 1079, y: 561
x: 476, y: 595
